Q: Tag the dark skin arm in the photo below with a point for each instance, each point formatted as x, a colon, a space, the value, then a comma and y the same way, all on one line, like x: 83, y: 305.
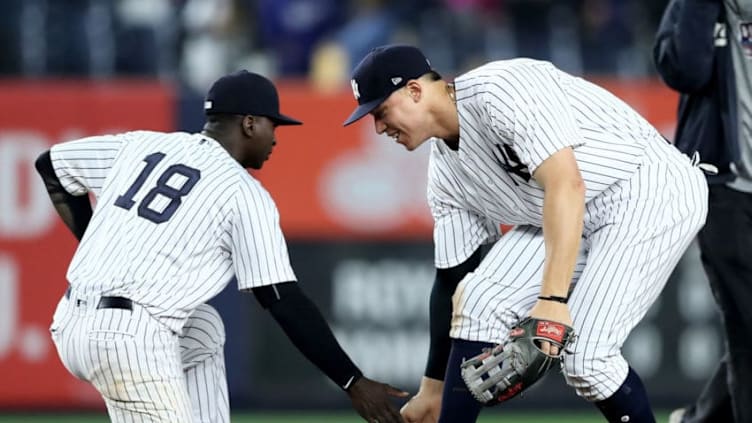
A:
x: 371, y: 400
x: 75, y: 211
x: 305, y: 326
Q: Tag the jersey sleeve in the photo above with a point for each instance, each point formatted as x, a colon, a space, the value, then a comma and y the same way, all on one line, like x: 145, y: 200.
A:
x: 258, y: 247
x: 83, y: 165
x: 527, y: 105
x: 457, y: 232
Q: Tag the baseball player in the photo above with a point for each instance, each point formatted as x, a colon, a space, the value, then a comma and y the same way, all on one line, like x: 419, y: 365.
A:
x: 177, y: 217
x: 603, y: 209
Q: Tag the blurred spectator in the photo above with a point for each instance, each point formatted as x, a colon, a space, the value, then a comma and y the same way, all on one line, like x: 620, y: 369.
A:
x: 197, y: 40
x: 330, y: 67
x: 66, y: 45
x: 605, y: 35
x: 464, y: 29
x: 146, y: 29
x: 290, y: 30
x: 216, y: 40
x: 532, y: 27
x: 10, y: 37
x: 369, y: 24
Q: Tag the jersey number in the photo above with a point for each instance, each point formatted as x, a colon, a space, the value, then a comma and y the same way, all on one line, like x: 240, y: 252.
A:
x: 174, y: 194
x: 512, y: 163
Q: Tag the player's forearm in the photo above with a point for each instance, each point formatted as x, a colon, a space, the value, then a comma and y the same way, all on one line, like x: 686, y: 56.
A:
x: 303, y: 323
x: 430, y: 386
x: 440, y: 317
x: 563, y: 210
x: 75, y: 211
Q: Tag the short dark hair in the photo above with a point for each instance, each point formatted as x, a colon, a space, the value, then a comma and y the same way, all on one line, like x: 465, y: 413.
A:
x: 433, y: 75
x: 222, y: 119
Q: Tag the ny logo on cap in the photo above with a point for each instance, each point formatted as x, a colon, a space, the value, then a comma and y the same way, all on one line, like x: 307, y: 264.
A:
x: 354, y: 85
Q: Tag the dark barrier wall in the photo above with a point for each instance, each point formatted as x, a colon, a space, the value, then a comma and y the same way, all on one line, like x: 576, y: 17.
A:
x: 376, y: 297
x: 353, y: 207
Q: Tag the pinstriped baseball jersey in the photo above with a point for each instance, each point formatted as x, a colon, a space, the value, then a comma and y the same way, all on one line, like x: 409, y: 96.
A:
x: 513, y: 115
x: 176, y: 218
x: 644, y: 202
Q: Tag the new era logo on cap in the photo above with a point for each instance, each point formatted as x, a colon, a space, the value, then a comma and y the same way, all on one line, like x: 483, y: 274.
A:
x: 383, y: 71
x: 354, y: 85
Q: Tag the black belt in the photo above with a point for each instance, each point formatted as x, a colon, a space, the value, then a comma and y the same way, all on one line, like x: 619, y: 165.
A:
x: 108, y: 302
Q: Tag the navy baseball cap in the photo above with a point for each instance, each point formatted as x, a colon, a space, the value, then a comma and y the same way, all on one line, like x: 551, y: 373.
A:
x: 246, y: 93
x: 383, y: 71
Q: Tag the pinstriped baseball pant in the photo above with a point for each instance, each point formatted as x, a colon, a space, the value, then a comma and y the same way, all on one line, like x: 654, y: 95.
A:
x: 143, y: 370
x: 638, y: 230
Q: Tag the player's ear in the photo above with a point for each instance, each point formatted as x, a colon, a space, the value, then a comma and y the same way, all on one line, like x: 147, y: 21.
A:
x: 248, y: 124
x: 414, y: 89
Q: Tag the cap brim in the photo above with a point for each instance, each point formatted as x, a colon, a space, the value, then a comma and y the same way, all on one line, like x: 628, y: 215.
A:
x: 364, y: 109
x: 281, y: 119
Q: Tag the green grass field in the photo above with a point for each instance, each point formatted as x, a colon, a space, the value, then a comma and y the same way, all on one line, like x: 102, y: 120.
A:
x: 491, y: 417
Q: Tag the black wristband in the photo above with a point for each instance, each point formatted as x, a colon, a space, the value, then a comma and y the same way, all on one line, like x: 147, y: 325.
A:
x: 555, y: 298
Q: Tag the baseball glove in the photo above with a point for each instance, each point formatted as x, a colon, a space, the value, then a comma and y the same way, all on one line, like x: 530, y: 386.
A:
x: 503, y: 372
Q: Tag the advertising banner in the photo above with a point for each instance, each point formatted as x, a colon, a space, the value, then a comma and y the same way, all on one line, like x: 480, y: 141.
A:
x: 35, y: 247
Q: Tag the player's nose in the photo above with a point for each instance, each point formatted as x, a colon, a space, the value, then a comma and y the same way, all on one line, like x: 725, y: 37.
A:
x: 379, y: 126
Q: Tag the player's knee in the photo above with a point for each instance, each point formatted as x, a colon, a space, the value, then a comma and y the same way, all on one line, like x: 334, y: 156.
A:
x: 595, y: 378
x: 204, y: 332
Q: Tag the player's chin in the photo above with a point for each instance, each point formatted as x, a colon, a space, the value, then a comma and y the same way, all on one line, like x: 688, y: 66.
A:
x: 407, y: 143
x: 256, y: 165
x: 411, y: 145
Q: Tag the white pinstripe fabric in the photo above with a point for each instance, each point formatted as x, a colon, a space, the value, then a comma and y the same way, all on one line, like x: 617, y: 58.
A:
x: 227, y: 225
x: 202, y: 354
x: 128, y: 356
x: 144, y: 371
x: 645, y: 201
x: 176, y: 219
x: 535, y: 110
x: 638, y: 229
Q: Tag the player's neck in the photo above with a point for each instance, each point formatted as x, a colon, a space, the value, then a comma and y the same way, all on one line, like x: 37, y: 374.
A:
x: 222, y: 139
x: 216, y: 136
x: 448, y: 120
x: 451, y: 93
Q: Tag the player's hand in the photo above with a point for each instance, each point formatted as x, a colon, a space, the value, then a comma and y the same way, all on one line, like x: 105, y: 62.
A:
x: 371, y: 400
x: 555, y: 312
x: 422, y: 408
x: 425, y: 406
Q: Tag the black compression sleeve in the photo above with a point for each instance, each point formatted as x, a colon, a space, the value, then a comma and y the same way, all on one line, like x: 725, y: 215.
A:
x: 303, y: 323
x: 441, y: 313
x: 74, y: 211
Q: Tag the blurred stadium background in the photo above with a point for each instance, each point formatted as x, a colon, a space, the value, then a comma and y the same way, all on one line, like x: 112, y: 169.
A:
x: 352, y: 203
